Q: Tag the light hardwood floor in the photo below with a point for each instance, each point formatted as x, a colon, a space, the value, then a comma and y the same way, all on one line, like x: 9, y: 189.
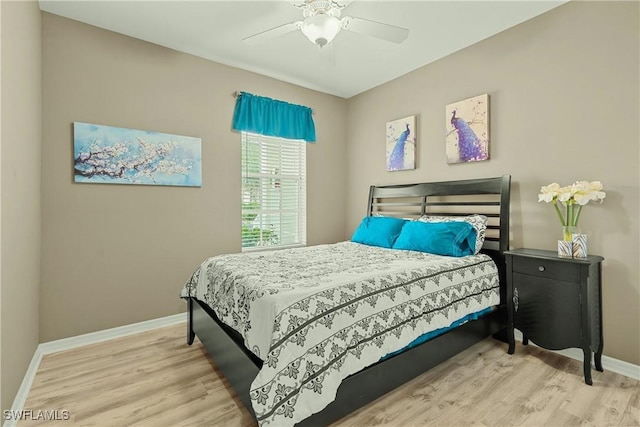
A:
x: 155, y: 379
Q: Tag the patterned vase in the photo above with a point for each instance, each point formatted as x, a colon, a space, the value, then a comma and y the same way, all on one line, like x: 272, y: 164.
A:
x: 579, y: 245
x: 565, y: 246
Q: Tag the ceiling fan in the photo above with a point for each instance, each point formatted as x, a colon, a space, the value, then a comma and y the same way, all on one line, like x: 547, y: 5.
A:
x: 321, y: 24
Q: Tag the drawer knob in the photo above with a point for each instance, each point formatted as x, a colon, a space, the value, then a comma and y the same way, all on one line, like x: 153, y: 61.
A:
x: 541, y: 268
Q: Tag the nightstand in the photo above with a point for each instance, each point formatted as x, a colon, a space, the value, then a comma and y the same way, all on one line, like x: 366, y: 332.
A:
x: 555, y: 302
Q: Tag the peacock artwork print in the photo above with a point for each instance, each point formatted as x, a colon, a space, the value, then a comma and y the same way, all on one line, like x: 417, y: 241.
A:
x: 467, y: 124
x: 401, y: 144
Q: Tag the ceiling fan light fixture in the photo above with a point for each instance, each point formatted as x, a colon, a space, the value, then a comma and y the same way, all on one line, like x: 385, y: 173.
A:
x: 321, y: 29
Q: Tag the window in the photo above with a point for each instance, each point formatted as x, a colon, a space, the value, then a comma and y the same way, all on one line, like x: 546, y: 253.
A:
x: 273, y: 192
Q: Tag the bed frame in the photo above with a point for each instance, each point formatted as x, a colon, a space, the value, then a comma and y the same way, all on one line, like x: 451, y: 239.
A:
x: 489, y: 196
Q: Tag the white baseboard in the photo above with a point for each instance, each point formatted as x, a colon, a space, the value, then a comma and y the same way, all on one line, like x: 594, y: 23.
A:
x: 109, y: 334
x: 608, y: 363
x: 23, y: 391
x: 78, y: 341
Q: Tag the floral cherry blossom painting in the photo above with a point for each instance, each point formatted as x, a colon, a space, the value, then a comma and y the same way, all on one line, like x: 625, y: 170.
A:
x: 467, y: 124
x: 113, y: 155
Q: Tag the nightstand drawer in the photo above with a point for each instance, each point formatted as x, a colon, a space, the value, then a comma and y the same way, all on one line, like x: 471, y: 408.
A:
x: 549, y: 269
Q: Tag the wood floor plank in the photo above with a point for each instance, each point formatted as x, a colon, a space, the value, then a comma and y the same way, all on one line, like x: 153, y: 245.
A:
x: 153, y: 379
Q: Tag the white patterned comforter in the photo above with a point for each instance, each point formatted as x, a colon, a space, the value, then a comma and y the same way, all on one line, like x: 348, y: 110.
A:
x: 318, y: 314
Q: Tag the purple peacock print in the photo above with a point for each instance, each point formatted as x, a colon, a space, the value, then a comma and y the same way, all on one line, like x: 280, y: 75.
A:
x: 467, y: 137
x: 401, y: 142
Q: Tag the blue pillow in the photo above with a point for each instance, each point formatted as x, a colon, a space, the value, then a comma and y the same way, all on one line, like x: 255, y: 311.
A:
x: 441, y: 238
x: 378, y: 231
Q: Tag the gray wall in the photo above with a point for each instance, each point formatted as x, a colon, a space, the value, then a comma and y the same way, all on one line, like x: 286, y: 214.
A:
x: 20, y: 238
x: 118, y: 254
x: 564, y: 97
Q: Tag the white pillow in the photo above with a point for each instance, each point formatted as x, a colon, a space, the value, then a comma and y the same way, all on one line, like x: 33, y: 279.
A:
x: 478, y: 222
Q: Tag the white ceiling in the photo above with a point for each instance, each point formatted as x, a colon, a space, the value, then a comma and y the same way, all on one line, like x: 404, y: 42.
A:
x: 214, y: 30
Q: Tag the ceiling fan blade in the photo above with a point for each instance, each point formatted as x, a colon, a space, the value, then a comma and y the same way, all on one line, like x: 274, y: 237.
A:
x: 376, y: 29
x: 273, y: 33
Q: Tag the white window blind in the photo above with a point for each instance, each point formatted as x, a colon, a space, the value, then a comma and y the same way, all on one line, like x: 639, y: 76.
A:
x: 273, y: 192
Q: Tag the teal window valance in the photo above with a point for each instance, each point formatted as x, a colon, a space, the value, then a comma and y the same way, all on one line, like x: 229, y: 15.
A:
x: 270, y: 117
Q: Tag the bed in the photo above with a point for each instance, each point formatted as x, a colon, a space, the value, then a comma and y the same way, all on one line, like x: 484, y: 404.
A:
x: 287, y: 362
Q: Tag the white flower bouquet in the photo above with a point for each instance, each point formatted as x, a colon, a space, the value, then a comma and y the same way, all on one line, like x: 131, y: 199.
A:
x: 578, y: 194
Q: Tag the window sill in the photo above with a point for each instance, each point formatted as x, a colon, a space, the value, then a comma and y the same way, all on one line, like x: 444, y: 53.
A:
x: 271, y: 248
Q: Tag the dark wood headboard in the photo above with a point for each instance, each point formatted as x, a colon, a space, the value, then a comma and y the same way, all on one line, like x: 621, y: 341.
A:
x: 487, y: 196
